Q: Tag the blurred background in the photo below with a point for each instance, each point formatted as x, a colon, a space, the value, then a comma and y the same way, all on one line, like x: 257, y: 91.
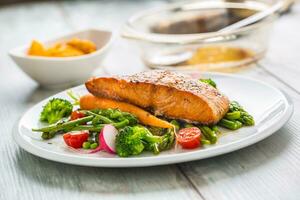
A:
x: 23, y: 21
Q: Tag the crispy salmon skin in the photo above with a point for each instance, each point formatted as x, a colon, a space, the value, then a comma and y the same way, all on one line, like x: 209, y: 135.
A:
x: 164, y: 93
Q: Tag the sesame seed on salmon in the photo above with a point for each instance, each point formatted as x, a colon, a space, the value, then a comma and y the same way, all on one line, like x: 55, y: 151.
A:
x: 164, y: 93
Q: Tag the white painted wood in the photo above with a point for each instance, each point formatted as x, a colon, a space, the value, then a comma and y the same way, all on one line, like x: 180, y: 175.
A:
x: 283, y: 56
x: 24, y: 176
x: 267, y: 170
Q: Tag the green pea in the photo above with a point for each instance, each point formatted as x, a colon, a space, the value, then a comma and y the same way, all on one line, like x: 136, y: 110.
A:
x: 90, y: 141
x: 86, y: 145
x: 94, y: 145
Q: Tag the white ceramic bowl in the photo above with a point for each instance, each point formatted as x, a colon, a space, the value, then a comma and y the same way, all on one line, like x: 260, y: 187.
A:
x: 58, y: 72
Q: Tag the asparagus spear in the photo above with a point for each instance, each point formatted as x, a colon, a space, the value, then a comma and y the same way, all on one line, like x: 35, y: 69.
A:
x: 233, y: 115
x: 245, y: 117
x: 205, y: 142
x: 230, y: 124
x: 209, y: 134
x: 215, y: 128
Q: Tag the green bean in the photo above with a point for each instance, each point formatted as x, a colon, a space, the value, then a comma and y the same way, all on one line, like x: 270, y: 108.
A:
x: 96, y: 120
x: 101, y: 117
x: 99, y: 127
x: 64, y: 126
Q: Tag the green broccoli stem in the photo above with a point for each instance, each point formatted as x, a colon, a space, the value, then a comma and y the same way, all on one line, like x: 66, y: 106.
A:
x: 233, y: 115
x: 230, y: 124
x: 176, y: 124
x: 152, y: 138
x: 64, y: 126
x: 209, y: 134
x: 168, y: 140
x: 155, y: 149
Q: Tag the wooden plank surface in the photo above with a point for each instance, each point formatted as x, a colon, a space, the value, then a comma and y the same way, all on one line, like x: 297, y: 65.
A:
x: 267, y: 170
x: 282, y: 60
x: 24, y: 176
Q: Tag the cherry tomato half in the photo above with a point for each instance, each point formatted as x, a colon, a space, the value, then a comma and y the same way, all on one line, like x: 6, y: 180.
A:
x: 76, y: 140
x: 76, y: 115
x: 189, y: 138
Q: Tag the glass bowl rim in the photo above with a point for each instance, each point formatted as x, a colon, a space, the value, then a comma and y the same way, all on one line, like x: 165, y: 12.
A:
x: 130, y: 32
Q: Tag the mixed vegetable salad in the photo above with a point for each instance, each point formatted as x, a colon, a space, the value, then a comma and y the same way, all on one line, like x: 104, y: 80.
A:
x: 121, y: 133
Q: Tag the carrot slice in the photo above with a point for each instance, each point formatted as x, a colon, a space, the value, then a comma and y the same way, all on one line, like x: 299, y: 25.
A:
x: 89, y: 102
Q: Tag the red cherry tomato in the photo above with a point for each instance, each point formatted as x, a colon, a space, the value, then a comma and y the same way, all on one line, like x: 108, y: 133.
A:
x: 189, y: 138
x: 76, y: 115
x: 76, y: 140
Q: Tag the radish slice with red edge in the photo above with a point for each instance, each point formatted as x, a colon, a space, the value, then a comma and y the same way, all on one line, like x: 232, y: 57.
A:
x: 107, y: 138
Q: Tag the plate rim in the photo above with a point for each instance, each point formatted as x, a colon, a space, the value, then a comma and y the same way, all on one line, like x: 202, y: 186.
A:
x: 162, y: 159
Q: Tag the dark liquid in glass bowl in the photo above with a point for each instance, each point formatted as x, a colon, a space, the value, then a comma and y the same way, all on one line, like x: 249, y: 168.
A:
x: 200, y: 21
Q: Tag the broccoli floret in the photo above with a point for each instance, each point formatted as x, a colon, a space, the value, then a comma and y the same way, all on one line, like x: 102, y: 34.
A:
x: 133, y: 140
x: 168, y: 140
x: 55, y: 110
x: 156, y: 130
x: 209, y: 82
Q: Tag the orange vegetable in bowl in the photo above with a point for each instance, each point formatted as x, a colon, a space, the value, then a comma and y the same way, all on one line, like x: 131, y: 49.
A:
x: 73, y: 47
x: 85, y: 46
x: 64, y: 51
x: 37, y: 49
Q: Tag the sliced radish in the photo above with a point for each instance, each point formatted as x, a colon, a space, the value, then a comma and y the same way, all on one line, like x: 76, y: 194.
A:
x: 107, y: 139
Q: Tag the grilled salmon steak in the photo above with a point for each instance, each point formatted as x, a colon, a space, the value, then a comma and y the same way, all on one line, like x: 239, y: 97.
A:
x: 164, y: 93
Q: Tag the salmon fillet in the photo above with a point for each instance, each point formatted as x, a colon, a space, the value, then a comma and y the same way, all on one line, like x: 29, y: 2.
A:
x: 164, y: 93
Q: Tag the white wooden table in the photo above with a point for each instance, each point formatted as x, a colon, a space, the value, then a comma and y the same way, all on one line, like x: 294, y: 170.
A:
x: 267, y: 170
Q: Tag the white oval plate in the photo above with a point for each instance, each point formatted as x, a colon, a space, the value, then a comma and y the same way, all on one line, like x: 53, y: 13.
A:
x: 269, y: 106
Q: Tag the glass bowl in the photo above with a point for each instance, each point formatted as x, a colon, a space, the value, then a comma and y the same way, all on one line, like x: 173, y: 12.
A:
x: 186, y: 35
